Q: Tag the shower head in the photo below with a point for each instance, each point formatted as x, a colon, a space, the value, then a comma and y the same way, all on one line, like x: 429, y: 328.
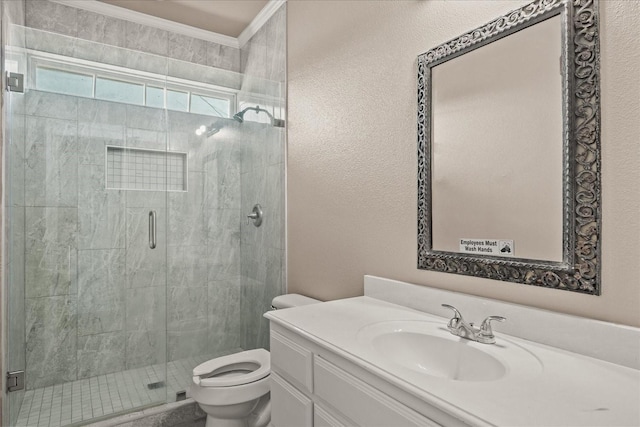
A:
x: 208, y: 131
x: 239, y: 117
x: 214, y: 128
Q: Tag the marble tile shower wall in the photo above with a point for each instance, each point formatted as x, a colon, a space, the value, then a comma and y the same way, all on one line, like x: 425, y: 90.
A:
x: 70, y: 21
x: 204, y: 237
x: 97, y: 299
x: 263, y: 62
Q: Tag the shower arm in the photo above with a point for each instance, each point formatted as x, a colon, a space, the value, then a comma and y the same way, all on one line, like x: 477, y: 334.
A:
x: 257, y: 109
x: 274, y: 122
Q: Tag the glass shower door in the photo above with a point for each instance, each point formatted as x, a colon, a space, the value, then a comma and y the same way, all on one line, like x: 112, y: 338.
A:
x: 14, y: 259
x: 86, y: 264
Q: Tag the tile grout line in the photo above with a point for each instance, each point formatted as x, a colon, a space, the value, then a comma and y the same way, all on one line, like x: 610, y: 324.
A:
x: 106, y: 394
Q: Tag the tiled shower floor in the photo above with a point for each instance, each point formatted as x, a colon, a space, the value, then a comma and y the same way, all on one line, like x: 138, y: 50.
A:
x: 83, y: 400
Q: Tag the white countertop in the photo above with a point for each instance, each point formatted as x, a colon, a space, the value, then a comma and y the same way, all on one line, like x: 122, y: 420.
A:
x: 569, y: 390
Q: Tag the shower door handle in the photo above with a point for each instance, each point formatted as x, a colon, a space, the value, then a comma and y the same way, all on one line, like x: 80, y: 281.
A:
x: 152, y: 229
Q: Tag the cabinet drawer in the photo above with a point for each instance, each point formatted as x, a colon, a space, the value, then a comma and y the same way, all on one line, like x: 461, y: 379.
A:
x: 291, y: 361
x: 289, y: 407
x: 360, y: 402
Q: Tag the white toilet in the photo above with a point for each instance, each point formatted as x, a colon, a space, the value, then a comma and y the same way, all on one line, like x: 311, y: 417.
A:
x: 234, y: 390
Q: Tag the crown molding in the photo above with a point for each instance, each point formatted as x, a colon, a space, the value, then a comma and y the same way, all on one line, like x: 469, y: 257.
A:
x: 153, y: 21
x: 261, y: 18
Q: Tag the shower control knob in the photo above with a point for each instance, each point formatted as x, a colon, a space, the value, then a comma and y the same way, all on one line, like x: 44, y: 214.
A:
x: 255, y: 215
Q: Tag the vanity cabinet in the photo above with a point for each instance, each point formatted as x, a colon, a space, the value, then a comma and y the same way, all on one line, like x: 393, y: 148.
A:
x: 312, y: 386
x: 364, y: 361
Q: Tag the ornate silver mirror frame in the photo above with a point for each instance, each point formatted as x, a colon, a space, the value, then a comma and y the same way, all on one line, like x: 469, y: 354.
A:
x: 580, y: 269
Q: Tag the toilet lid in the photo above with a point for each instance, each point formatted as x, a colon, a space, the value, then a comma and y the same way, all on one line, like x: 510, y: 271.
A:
x: 235, y: 369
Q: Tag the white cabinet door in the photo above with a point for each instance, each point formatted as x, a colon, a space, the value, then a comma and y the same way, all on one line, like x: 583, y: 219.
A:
x: 289, y: 407
x: 292, y: 361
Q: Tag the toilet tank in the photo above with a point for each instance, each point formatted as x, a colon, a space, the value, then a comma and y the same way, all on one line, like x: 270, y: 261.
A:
x: 291, y: 300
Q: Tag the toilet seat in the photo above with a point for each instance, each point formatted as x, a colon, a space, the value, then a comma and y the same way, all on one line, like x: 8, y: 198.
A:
x: 233, y: 370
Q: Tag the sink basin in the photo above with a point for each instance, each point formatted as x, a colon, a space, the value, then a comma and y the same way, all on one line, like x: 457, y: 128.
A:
x: 428, y: 348
x: 439, y: 357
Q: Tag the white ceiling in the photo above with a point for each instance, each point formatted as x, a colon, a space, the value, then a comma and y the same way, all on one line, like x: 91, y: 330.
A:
x: 228, y: 17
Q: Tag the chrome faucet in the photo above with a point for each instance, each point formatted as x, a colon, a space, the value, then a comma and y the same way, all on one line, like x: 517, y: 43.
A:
x: 483, y: 334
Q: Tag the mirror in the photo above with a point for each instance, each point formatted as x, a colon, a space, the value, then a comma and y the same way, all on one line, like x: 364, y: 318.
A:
x: 508, y: 149
x: 512, y: 128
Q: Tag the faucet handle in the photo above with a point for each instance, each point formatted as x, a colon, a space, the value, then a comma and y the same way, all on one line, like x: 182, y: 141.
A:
x: 455, y: 311
x: 457, y: 316
x: 485, y: 327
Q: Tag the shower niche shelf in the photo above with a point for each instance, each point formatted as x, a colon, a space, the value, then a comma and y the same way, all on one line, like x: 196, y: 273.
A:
x: 146, y: 169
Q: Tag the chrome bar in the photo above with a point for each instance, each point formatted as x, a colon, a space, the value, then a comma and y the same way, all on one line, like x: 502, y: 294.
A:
x: 152, y: 229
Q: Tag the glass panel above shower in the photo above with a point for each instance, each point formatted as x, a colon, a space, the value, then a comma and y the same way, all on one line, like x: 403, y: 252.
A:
x: 119, y: 91
x: 65, y: 82
x: 90, y: 79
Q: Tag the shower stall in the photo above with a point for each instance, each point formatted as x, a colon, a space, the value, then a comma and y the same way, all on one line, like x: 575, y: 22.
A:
x: 128, y: 254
